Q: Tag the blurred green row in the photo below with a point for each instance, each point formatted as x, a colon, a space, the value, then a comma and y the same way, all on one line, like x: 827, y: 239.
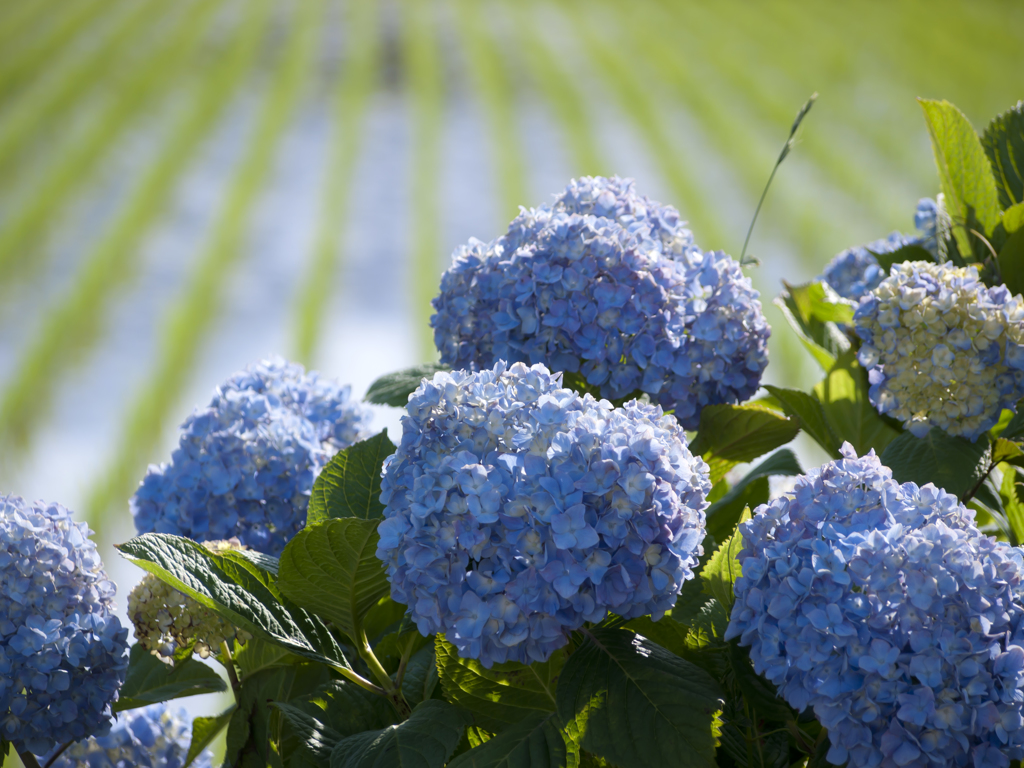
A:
x: 707, y: 89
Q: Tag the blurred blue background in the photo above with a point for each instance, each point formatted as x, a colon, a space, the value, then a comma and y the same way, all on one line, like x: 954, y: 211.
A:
x: 188, y: 186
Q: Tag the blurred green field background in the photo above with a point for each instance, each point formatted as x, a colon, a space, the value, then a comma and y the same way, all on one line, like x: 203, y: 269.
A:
x: 186, y: 186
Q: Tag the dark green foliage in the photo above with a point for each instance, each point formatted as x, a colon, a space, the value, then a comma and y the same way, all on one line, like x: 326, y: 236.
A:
x: 350, y: 485
x: 234, y: 588
x: 150, y: 680
x: 536, y: 741
x: 1003, y: 141
x: 731, y: 434
x: 501, y: 695
x: 952, y: 463
x: 394, y: 388
x: 331, y: 570
x: 637, y: 705
x: 808, y: 412
x: 850, y: 415
x: 750, y: 491
x: 426, y: 740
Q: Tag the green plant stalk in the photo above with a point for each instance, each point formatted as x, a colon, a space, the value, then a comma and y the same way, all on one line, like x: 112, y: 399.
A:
x: 355, y: 87
x: 561, y: 94
x: 229, y: 665
x: 77, y: 79
x: 640, y: 105
x: 390, y: 688
x: 741, y: 143
x: 367, y: 654
x: 423, y: 77
x: 72, y: 327
x: 65, y: 176
x: 404, y: 661
x: 786, y: 148
x: 197, y: 308
x: 737, y: 49
x: 736, y: 62
x: 494, y: 90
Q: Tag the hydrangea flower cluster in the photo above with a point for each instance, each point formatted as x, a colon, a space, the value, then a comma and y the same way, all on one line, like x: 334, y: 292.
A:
x: 516, y: 510
x: 608, y: 284
x: 151, y: 737
x: 856, y: 271
x: 245, y: 464
x: 942, y: 349
x: 63, y: 652
x: 166, y: 619
x: 882, y: 607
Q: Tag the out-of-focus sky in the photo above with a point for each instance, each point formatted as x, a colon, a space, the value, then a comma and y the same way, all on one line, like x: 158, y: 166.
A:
x: 187, y: 187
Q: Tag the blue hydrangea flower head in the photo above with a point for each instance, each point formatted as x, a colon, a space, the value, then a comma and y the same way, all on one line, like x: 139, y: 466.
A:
x: 617, y: 199
x: 627, y: 302
x: 245, y: 464
x: 63, y: 652
x: 516, y: 510
x: 926, y: 219
x: 882, y: 608
x: 941, y: 348
x: 856, y: 271
x: 156, y: 736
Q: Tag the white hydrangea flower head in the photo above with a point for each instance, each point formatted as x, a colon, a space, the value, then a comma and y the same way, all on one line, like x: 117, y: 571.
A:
x: 941, y: 348
x: 166, y: 619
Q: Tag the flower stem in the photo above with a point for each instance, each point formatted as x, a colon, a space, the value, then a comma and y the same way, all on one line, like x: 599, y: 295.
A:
x: 229, y: 665
x: 782, y: 156
x: 58, y: 753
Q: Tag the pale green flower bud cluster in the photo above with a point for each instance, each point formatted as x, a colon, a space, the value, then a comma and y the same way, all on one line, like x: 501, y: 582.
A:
x: 166, y: 619
x: 941, y: 348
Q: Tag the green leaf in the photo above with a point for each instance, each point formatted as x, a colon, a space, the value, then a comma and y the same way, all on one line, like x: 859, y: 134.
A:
x: 536, y: 741
x: 332, y: 570
x: 262, y: 727
x: 421, y: 677
x: 1004, y: 145
x: 235, y: 589
x: 817, y: 301
x: 315, y: 736
x: 1006, y: 450
x: 1013, y: 218
x: 349, y: 486
x: 204, y: 731
x: 721, y: 571
x: 758, y: 692
x: 904, y: 253
x: 809, y: 414
x: 952, y: 463
x: 731, y: 434
x: 723, y: 514
x: 256, y: 655
x: 965, y: 173
x: 346, y: 708
x: 394, y: 388
x: 578, y: 383
x: 843, y: 395
x: 150, y: 680
x: 666, y: 631
x: 1011, y: 262
x: 426, y: 740
x: 1012, y: 504
x: 814, y: 310
x: 501, y: 695
x: 637, y: 705
x: 1014, y: 429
